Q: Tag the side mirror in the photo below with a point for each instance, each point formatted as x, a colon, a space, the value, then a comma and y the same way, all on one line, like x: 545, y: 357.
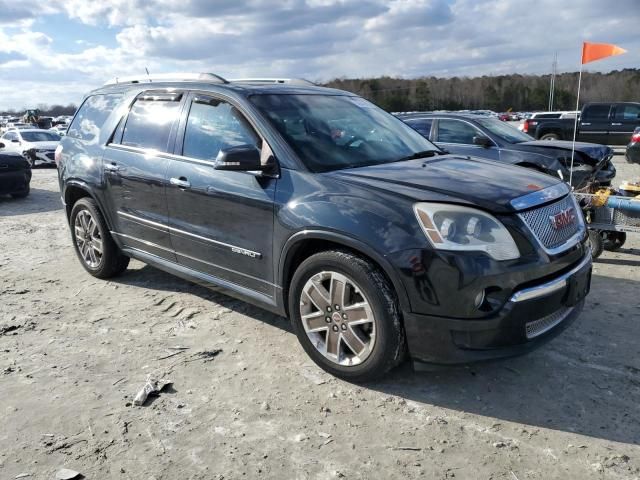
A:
x: 241, y: 158
x: 482, y: 141
x: 15, y: 140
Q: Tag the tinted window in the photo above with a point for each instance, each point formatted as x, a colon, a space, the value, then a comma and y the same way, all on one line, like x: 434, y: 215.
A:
x: 10, y: 136
x: 330, y: 132
x: 628, y: 112
x: 456, y: 131
x: 91, y: 117
x: 149, y: 123
x: 596, y: 112
x: 422, y: 125
x: 40, y: 137
x: 213, y: 125
x: 546, y: 115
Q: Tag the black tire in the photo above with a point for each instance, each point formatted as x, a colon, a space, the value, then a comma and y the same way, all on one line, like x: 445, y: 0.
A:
x: 613, y: 241
x: 389, y: 345
x: 550, y: 136
x: 21, y: 194
x: 112, y: 261
x: 596, y: 243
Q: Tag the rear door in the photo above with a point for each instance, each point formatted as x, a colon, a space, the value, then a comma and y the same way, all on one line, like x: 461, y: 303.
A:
x: 594, y: 123
x: 221, y: 222
x: 626, y: 118
x: 135, y: 166
x: 456, y: 136
x: 421, y: 125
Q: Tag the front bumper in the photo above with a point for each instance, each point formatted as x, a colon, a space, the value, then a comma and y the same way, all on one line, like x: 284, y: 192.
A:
x: 530, y: 317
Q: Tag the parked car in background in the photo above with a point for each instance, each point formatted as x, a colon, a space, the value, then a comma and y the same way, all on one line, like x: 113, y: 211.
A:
x: 490, y: 138
x: 36, y: 145
x: 633, y: 148
x: 19, y: 126
x: 524, y: 126
x: 610, y: 123
x: 317, y: 205
x: 15, y: 173
x: 60, y: 129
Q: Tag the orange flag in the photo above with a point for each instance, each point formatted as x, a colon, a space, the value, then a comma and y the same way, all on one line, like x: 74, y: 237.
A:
x: 595, y: 51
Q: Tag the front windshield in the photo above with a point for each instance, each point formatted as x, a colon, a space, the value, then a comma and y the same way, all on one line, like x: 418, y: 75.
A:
x: 503, y: 130
x: 40, y: 137
x: 332, y: 132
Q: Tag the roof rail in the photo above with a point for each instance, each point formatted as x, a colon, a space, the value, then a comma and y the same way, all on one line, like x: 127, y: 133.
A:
x: 290, y: 81
x: 168, y: 77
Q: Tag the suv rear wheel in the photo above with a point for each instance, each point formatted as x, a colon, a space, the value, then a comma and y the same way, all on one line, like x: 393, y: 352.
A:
x: 95, y: 248
x: 345, y: 315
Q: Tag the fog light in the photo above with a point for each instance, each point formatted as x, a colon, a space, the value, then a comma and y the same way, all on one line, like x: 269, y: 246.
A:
x: 479, y: 299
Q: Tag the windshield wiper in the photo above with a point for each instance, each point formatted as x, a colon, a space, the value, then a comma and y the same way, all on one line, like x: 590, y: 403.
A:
x: 423, y: 154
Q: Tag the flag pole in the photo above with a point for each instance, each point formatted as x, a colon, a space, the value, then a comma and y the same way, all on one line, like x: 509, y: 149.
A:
x: 575, y: 124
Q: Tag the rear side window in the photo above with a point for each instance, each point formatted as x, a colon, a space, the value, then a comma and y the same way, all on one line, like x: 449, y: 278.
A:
x: 596, y: 112
x: 423, y: 126
x: 628, y: 112
x: 213, y: 125
x: 91, y: 117
x: 149, y: 123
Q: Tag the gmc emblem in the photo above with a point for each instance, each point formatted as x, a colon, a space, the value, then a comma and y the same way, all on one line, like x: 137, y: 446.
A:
x: 563, y: 219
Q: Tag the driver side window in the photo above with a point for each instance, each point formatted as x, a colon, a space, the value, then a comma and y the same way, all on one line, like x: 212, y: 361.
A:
x: 456, y: 131
x: 213, y: 125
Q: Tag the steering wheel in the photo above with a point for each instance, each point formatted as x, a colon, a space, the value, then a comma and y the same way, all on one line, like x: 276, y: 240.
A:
x: 353, y: 140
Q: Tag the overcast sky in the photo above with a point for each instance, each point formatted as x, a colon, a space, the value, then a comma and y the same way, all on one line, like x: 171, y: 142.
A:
x: 54, y: 51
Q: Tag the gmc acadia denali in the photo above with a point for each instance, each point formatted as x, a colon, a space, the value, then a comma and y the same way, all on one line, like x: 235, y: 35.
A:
x: 315, y: 204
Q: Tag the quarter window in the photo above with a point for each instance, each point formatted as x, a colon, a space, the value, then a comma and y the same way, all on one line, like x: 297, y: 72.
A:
x: 213, y: 125
x: 455, y: 131
x: 149, y: 123
x: 91, y: 116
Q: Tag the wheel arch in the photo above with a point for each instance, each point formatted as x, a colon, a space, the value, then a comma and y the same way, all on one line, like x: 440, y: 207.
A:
x: 305, y: 243
x: 75, y: 190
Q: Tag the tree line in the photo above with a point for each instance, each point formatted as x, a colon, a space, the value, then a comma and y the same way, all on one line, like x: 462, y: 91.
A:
x: 499, y: 93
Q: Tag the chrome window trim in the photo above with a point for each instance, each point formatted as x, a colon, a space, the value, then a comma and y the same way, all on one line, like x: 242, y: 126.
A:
x: 233, y: 248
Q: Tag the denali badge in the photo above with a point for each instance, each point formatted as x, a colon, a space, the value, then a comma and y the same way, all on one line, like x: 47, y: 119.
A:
x: 563, y: 219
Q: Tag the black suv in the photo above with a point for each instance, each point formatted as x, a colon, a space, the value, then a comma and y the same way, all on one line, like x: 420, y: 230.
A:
x: 316, y: 204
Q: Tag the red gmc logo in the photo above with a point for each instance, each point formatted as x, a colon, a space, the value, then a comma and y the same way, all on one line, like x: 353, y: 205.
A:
x: 563, y: 219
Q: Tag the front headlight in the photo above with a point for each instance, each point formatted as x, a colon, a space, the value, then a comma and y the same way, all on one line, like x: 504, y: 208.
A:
x: 453, y: 227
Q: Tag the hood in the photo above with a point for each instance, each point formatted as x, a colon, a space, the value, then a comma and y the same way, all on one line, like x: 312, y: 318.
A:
x: 591, y: 153
x: 492, y: 186
x: 41, y: 145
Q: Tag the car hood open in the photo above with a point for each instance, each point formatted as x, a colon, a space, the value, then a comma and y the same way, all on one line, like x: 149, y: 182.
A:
x: 489, y: 185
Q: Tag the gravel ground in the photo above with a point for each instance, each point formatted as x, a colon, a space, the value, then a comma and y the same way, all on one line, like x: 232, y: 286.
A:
x: 74, y: 351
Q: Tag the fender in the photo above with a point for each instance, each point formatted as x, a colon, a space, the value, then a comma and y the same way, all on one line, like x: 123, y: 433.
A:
x: 347, y: 241
x: 91, y: 192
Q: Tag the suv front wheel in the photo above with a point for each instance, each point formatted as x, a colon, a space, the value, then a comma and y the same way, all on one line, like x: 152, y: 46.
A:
x: 345, y: 315
x: 97, y: 251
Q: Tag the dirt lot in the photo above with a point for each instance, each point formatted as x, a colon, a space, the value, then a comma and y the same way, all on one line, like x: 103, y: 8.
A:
x: 75, y: 350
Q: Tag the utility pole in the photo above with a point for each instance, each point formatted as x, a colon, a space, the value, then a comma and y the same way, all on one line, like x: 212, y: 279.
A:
x: 554, y: 70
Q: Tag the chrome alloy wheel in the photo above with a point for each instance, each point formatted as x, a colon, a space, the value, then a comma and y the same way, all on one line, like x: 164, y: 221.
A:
x: 337, y: 318
x: 88, y: 238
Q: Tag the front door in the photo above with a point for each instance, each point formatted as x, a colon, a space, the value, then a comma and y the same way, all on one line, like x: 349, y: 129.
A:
x: 135, y: 167
x: 221, y: 222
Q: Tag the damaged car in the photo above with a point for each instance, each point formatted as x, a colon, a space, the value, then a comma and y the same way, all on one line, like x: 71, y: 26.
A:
x: 495, y: 140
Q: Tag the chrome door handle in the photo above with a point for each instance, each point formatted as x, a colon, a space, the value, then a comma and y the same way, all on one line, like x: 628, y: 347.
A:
x: 616, y: 124
x: 180, y: 182
x: 112, y: 167
x: 585, y: 124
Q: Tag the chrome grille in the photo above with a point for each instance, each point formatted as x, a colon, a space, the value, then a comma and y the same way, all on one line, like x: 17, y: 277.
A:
x: 546, y: 323
x: 539, y: 222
